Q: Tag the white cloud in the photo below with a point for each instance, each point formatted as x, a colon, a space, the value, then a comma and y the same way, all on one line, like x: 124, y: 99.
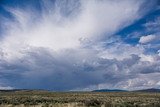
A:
x: 58, y: 31
x: 121, y: 51
x: 6, y: 88
x: 147, y: 39
x: 158, y: 52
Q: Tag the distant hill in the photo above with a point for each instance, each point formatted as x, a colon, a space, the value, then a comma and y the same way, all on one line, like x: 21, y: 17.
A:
x: 119, y: 90
x: 148, y: 90
x: 100, y: 90
x: 109, y: 90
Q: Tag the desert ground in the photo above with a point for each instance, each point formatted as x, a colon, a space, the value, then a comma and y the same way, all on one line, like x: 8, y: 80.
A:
x: 30, y: 98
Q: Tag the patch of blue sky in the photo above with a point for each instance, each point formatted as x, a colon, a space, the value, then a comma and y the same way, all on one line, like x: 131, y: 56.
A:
x: 132, y: 33
x: 151, y: 49
x: 20, y: 3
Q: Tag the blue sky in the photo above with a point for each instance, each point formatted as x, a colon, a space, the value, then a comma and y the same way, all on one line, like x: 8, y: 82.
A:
x: 67, y: 45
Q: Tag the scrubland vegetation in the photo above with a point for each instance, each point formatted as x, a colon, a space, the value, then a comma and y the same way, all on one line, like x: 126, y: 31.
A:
x: 78, y: 99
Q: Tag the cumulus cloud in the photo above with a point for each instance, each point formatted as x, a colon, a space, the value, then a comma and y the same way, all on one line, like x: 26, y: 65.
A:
x: 151, y: 28
x: 62, y: 46
x: 148, y: 38
x: 121, y: 51
x: 6, y: 88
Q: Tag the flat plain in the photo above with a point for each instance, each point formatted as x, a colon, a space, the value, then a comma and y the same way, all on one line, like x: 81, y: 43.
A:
x: 34, y: 98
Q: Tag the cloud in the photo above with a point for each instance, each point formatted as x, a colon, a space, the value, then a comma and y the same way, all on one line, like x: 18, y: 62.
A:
x: 148, y: 38
x: 73, y: 69
x: 58, y: 30
x: 6, y: 88
x: 158, y: 52
x: 121, y: 51
x: 153, y: 26
x: 62, y: 46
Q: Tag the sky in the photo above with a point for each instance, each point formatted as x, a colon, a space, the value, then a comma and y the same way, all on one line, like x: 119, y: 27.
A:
x: 79, y: 45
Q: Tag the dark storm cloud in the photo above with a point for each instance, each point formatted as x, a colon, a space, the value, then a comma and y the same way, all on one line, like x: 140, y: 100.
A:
x: 66, y: 71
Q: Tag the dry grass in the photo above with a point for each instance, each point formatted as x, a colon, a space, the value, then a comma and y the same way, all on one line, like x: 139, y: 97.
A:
x: 78, y: 99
